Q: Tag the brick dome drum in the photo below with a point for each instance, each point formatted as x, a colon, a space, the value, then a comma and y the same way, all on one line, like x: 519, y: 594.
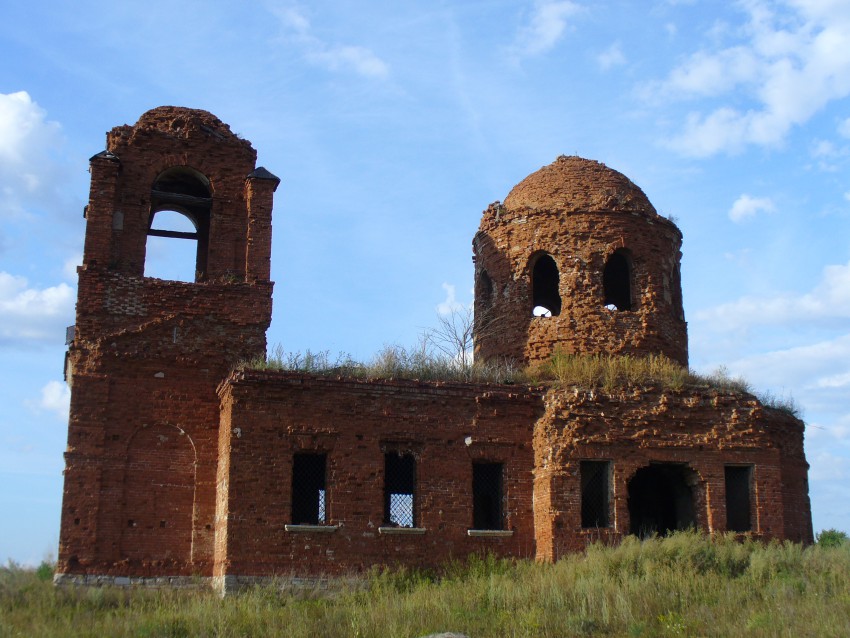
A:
x: 577, y: 259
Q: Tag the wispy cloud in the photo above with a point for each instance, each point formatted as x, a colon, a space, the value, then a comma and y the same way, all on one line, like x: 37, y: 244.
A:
x: 545, y: 26
x: 746, y: 206
x: 331, y: 56
x: 793, y: 60
x: 611, y: 57
x: 450, y: 304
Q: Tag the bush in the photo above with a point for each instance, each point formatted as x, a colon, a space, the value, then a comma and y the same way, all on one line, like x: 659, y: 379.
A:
x: 831, y: 538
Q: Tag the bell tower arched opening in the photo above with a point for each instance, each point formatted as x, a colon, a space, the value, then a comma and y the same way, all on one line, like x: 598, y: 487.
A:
x: 179, y: 195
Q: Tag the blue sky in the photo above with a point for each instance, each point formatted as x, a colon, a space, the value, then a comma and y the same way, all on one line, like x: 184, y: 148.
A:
x: 393, y: 127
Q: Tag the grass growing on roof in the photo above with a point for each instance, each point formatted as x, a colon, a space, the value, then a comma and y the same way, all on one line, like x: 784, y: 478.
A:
x: 587, y: 371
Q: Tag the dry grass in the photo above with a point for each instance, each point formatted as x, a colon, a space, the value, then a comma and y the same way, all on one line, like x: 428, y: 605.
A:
x: 606, y: 372
x: 683, y: 585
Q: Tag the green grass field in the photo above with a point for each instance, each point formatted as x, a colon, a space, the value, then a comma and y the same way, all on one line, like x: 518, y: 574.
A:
x: 684, y: 585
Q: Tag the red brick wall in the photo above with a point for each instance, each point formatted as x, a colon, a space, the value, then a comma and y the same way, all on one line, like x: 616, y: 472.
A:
x: 579, y: 212
x: 148, y: 354
x: 267, y: 417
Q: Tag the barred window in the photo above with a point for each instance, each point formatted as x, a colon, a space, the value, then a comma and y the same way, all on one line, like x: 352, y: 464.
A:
x: 738, y: 482
x: 308, y: 489
x: 595, y: 493
x: 487, y: 496
x: 399, y: 490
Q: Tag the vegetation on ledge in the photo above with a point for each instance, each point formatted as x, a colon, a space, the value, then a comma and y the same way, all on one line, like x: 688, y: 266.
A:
x: 606, y: 372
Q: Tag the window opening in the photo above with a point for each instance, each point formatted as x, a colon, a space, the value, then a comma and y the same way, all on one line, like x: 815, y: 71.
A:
x: 617, y: 281
x: 738, y: 489
x: 168, y: 259
x: 487, y: 496
x: 399, y: 489
x: 661, y: 500
x: 484, y: 289
x: 545, y: 282
x: 308, y: 489
x: 595, y: 491
x: 181, y: 202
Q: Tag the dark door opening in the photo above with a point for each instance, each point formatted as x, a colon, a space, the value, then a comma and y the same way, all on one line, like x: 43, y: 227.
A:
x: 661, y: 500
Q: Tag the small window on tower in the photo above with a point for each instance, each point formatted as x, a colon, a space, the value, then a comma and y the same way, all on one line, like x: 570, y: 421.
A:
x: 545, y: 283
x: 617, y: 281
x: 484, y: 290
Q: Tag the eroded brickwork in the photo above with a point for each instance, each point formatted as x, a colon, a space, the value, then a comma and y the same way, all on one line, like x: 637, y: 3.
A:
x: 148, y: 354
x: 579, y: 214
x: 178, y: 467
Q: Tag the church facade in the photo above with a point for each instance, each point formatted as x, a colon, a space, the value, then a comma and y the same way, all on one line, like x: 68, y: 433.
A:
x: 181, y: 465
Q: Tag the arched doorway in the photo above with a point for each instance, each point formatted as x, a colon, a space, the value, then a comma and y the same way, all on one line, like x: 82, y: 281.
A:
x: 661, y: 499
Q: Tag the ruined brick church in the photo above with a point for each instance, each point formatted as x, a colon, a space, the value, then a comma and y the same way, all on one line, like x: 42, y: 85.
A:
x: 182, y: 468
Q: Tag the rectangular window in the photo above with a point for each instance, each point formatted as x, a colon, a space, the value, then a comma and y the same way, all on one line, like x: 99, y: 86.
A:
x: 738, y: 482
x: 399, y: 490
x: 487, y: 496
x: 308, y: 489
x: 595, y: 490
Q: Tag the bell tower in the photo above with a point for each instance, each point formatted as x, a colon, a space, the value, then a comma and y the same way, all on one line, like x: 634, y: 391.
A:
x: 148, y: 354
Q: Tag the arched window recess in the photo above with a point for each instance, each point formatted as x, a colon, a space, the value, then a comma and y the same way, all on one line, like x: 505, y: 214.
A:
x: 617, y: 281
x: 545, y: 287
x: 178, y: 195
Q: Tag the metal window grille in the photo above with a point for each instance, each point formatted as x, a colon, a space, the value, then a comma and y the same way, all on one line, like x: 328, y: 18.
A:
x: 595, y: 493
x: 399, y: 490
x: 308, y: 489
x: 487, y: 496
x: 738, y: 481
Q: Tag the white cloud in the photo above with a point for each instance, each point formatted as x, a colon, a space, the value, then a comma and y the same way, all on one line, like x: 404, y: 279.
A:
x: 844, y: 128
x: 31, y: 314
x: 333, y: 57
x: 55, y: 398
x: 746, y: 206
x: 358, y: 59
x: 545, y: 27
x: 847, y: 196
x: 825, y: 149
x: 611, y: 57
x: 450, y: 304
x: 28, y: 142
x: 793, y: 61
x: 809, y: 367
x: 829, y: 300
